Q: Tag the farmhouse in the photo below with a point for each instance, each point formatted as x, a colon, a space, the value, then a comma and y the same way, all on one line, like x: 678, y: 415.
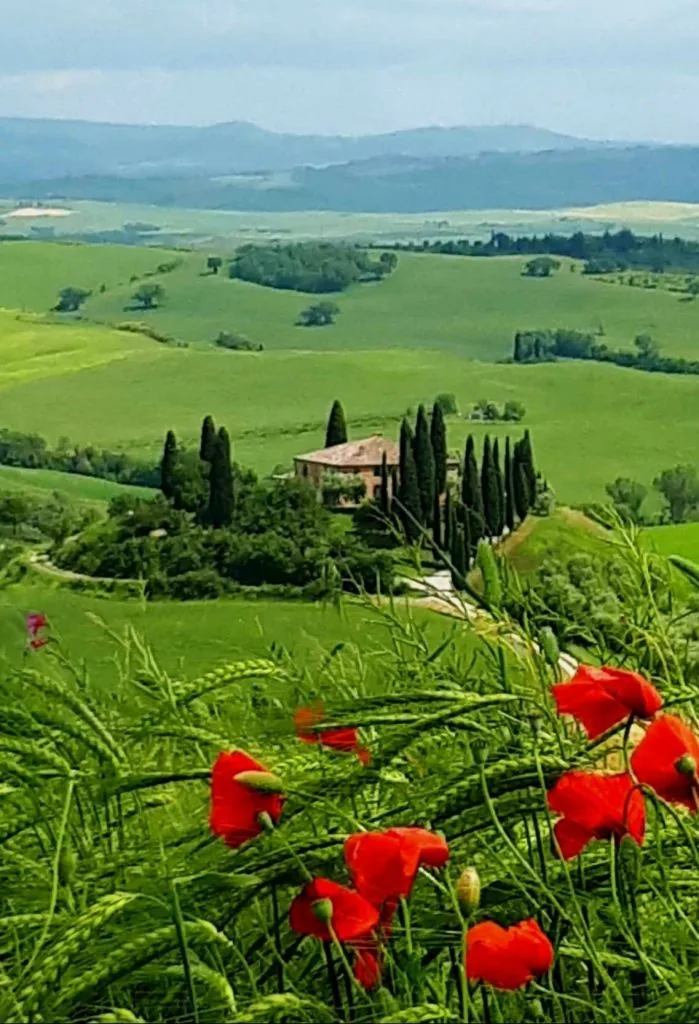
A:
x: 361, y: 460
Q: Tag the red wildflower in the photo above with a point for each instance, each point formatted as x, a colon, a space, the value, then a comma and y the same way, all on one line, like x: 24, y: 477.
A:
x: 666, y: 759
x: 367, y: 967
x: 236, y: 806
x: 600, y: 698
x: 507, y: 958
x: 344, y: 738
x: 38, y: 642
x: 595, y: 806
x: 383, y: 865
x: 35, y: 621
x: 323, y: 904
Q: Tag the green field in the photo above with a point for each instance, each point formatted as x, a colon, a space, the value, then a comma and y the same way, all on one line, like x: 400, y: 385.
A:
x: 40, y: 483
x: 395, y: 345
x: 192, y: 637
x: 227, y: 227
x: 682, y: 539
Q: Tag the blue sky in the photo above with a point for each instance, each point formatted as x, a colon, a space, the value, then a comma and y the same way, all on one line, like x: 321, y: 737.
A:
x: 598, y: 68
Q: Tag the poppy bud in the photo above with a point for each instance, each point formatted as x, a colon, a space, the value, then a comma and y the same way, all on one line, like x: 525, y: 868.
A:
x: 549, y: 646
x: 265, y: 822
x: 261, y: 782
x: 686, y: 765
x: 323, y: 909
x: 468, y: 890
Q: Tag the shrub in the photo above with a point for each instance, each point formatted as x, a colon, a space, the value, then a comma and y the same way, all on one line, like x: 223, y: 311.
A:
x: 237, y: 342
x: 447, y: 403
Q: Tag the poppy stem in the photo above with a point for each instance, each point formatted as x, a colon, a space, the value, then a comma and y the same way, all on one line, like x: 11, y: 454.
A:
x: 332, y: 976
x: 277, y: 938
x: 486, y: 1005
x: 625, y: 745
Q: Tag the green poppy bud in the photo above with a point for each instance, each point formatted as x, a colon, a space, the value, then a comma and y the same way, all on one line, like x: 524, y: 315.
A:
x: 549, y: 646
x: 265, y: 821
x: 323, y: 909
x: 261, y: 782
x: 468, y: 890
x: 686, y: 765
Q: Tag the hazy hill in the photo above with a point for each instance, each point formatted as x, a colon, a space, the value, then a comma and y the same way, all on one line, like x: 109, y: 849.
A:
x: 44, y: 149
x: 391, y: 184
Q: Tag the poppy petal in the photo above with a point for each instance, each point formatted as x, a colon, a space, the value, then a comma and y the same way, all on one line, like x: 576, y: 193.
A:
x: 571, y: 839
x: 654, y: 761
x: 352, y: 915
x: 235, y: 807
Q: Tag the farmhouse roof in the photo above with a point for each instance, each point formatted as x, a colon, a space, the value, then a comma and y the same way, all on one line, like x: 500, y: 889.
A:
x: 368, y: 452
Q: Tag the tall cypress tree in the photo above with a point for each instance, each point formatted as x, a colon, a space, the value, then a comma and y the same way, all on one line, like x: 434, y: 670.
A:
x: 471, y: 495
x: 221, y: 500
x: 424, y: 464
x: 501, y: 489
x: 337, y: 426
x: 208, y: 439
x: 459, y: 562
x: 385, y: 493
x: 167, y: 465
x: 409, y: 509
x: 521, y: 484
x: 490, y: 489
x: 438, y: 437
x: 529, y: 467
x: 509, y: 488
x: 437, y: 521
x: 448, y: 521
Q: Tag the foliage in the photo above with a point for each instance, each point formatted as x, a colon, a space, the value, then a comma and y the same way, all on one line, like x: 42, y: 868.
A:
x: 340, y: 488
x: 541, y: 266
x: 56, y: 517
x: 214, y: 264
x: 118, y: 904
x: 679, y: 487
x: 149, y: 296
x: 336, y: 431
x: 627, y: 496
x: 447, y: 402
x: 317, y: 267
x: 32, y: 452
x: 320, y: 315
x: 512, y: 411
x: 440, y: 453
x: 237, y: 342
x: 424, y: 466
x: 70, y: 300
x: 547, y: 346
x: 221, y: 507
x: 408, y: 503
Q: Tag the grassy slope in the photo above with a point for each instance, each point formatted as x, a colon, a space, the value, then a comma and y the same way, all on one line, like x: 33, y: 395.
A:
x: 193, y: 636
x: 40, y: 483
x: 566, y: 532
x: 682, y: 539
x: 275, y: 405
x: 470, y: 307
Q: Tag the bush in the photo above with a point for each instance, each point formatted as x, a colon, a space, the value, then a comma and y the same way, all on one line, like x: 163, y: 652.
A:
x: 237, y: 342
x: 321, y: 315
x: 316, y: 267
x: 447, y: 403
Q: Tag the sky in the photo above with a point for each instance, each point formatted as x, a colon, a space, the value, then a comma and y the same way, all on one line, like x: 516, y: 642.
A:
x: 611, y: 69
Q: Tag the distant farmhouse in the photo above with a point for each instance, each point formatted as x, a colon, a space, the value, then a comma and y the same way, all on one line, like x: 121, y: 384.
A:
x: 357, y: 460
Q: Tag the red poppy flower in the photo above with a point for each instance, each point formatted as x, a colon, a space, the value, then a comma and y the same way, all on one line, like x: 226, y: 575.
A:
x: 507, y: 958
x: 236, y: 806
x: 38, y: 642
x: 344, y: 738
x: 666, y: 759
x: 367, y: 967
x: 383, y: 865
x: 323, y: 904
x: 595, y: 806
x: 600, y: 698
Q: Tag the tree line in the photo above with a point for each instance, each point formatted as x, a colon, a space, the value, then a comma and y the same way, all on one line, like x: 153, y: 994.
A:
x: 606, y: 253
x: 31, y: 451
x: 316, y: 267
x: 492, y: 497
x: 546, y: 346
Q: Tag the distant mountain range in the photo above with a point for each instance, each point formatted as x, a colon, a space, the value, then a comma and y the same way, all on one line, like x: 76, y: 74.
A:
x: 41, y: 149
x: 239, y: 166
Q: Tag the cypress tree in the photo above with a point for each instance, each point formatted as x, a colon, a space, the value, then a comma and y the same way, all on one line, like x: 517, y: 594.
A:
x: 501, y: 489
x: 521, y: 484
x: 408, y: 491
x: 529, y: 467
x: 490, y: 489
x: 459, y: 565
x: 424, y: 464
x: 438, y: 437
x: 448, y: 521
x: 468, y: 538
x: 385, y: 493
x: 471, y: 495
x: 437, y: 521
x: 208, y: 439
x: 167, y: 465
x: 221, y: 501
x: 337, y: 426
x: 509, y: 488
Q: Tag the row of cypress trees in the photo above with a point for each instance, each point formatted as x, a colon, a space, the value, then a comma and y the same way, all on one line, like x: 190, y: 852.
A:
x: 215, y: 467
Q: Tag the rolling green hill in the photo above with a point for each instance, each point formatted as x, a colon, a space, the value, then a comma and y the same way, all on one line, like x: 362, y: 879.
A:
x: 469, y: 307
x: 40, y: 483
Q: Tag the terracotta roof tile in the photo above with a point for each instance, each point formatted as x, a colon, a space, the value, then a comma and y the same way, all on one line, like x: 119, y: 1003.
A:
x: 368, y: 452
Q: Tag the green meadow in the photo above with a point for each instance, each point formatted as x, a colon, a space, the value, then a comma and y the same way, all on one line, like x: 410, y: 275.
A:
x: 680, y: 539
x: 41, y: 483
x: 438, y: 324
